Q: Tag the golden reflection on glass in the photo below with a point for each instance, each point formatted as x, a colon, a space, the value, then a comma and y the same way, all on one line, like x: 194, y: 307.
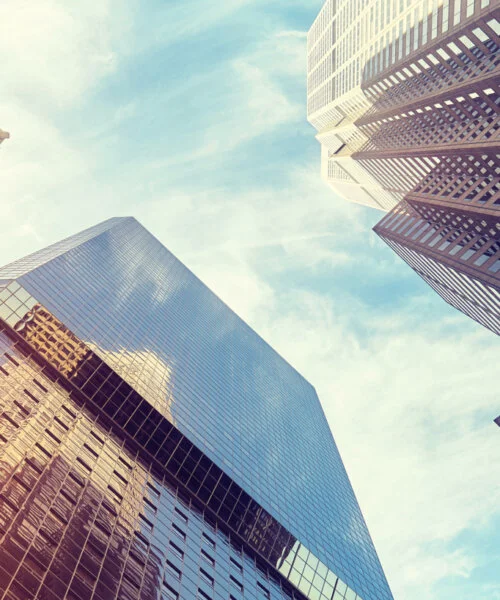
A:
x: 71, y: 497
x: 64, y: 482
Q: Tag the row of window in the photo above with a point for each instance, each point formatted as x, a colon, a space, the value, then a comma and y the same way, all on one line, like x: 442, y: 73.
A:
x: 438, y: 70
x: 457, y: 289
x: 72, y: 489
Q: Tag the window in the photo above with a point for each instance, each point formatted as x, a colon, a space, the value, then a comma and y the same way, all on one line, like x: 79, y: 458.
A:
x: 149, y: 505
x: 203, y: 595
x: 90, y: 450
x: 47, y: 453
x: 236, y: 564
x: 153, y: 490
x: 116, y: 495
x: 206, y: 538
x: 264, y: 592
x: 122, y: 460
x: 207, y: 577
x: 170, y: 593
x: 146, y: 522
x: 10, y: 420
x: 175, y: 571
x: 181, y: 514
x: 235, y: 582
x: 44, y: 389
x: 179, y: 531
x: 176, y: 549
x: 12, y: 360
x: 208, y: 558
x: 36, y: 401
x: 96, y: 437
x: 120, y: 477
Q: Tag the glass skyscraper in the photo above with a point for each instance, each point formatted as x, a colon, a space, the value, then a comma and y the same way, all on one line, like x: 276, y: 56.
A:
x: 152, y: 445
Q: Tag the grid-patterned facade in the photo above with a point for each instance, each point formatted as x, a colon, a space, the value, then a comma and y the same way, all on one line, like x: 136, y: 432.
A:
x: 435, y: 119
x: 412, y: 117
x: 393, y: 86
x: 455, y: 251
x: 153, y: 445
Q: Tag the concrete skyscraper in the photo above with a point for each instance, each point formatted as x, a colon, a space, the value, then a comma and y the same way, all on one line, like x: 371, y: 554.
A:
x: 152, y: 445
x: 386, y: 77
x: 405, y: 96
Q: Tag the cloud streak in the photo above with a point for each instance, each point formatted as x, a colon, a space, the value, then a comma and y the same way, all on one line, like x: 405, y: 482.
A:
x: 218, y: 162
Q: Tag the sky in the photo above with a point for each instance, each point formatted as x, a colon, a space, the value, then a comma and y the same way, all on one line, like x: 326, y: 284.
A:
x: 191, y: 117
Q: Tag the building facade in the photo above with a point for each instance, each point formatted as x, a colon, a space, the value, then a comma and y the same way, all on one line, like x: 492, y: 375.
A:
x: 394, y: 86
x: 152, y: 445
x: 415, y: 111
x: 456, y: 252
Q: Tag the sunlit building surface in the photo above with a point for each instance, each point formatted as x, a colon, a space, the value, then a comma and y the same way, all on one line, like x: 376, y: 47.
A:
x: 456, y: 252
x: 394, y: 86
x: 405, y: 98
x: 152, y: 445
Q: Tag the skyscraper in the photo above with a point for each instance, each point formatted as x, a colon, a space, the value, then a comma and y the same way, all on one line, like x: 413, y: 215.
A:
x: 456, y: 252
x: 152, y: 443
x: 410, y: 117
x: 393, y: 86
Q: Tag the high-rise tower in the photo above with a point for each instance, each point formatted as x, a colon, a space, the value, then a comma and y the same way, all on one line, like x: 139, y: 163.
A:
x: 152, y: 444
x: 412, y: 115
x: 394, y: 86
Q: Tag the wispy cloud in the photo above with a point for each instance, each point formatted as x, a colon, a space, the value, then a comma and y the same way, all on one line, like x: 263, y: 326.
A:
x: 57, y: 50
x: 226, y: 178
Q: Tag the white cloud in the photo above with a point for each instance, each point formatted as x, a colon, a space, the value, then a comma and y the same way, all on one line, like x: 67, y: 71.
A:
x: 181, y: 20
x: 293, y: 33
x: 409, y: 406
x: 35, y: 163
x: 53, y: 50
x: 53, y: 53
x: 411, y: 412
x: 258, y: 105
x: 300, y: 224
x: 258, y: 102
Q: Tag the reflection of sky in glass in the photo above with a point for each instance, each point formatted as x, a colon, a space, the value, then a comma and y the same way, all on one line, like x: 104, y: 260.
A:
x: 93, y: 512
x: 140, y: 309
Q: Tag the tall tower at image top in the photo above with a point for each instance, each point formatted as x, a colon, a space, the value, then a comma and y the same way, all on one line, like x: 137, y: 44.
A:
x: 405, y: 99
x: 374, y: 64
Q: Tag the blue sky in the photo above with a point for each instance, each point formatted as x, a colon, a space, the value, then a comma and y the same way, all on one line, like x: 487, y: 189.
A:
x: 191, y: 117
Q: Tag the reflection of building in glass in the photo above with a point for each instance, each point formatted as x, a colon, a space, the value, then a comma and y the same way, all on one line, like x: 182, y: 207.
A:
x: 414, y: 111
x: 158, y: 443
x: 52, y: 340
